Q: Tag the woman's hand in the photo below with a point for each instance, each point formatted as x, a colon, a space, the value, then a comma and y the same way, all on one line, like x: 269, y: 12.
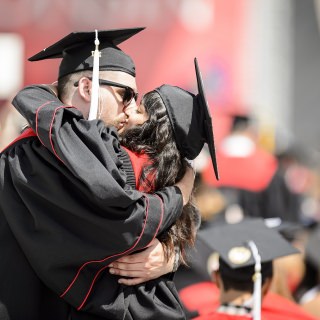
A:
x: 143, y: 266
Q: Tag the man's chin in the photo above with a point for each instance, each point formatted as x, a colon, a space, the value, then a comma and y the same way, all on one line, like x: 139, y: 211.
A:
x: 121, y: 130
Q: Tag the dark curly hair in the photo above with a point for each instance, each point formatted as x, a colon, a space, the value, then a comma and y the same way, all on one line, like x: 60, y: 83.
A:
x: 155, y: 138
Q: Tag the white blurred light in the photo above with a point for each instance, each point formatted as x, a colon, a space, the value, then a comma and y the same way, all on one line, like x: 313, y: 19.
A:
x: 11, y: 64
x: 234, y: 214
x: 196, y: 15
x: 202, y: 160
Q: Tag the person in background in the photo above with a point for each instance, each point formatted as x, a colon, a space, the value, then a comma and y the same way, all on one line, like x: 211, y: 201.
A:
x: 238, y: 252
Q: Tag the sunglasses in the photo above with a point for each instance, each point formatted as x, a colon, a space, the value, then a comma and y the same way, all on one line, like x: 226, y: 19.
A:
x: 129, y: 93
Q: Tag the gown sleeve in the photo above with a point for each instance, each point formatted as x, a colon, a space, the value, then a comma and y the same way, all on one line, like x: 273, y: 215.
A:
x: 65, y: 198
x: 90, y: 150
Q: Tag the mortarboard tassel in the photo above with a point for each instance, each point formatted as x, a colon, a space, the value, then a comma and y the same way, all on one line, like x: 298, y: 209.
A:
x: 257, y: 281
x: 95, y: 80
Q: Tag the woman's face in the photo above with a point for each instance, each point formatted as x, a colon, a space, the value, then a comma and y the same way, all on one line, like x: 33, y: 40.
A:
x: 136, y: 115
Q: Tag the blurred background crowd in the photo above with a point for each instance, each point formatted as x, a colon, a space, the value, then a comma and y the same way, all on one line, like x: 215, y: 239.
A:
x: 260, y: 61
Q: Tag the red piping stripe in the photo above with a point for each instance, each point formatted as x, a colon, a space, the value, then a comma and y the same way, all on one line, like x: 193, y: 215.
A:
x: 51, y: 125
x: 108, y: 257
x: 50, y: 130
x: 96, y: 276
x: 91, y: 286
x: 155, y: 234
x: 25, y: 134
x: 37, y: 112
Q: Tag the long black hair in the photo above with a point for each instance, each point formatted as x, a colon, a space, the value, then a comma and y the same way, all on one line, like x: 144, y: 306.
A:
x: 155, y: 138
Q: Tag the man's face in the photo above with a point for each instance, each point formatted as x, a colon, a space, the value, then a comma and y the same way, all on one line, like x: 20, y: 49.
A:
x: 136, y: 115
x: 111, y: 104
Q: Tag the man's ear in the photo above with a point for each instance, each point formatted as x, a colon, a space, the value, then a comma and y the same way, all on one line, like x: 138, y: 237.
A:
x: 84, y: 88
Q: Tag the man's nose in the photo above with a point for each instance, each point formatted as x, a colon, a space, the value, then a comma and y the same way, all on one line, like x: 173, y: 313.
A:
x: 130, y: 108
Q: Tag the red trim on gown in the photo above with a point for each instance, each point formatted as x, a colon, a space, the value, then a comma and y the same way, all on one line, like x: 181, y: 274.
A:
x: 25, y: 134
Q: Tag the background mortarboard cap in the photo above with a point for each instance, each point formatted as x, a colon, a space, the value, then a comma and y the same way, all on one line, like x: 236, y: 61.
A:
x: 76, y: 49
x: 225, y: 237
x: 190, y: 119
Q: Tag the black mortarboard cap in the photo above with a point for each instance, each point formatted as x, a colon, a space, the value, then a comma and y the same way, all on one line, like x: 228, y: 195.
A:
x: 76, y: 51
x: 190, y: 118
x: 230, y: 241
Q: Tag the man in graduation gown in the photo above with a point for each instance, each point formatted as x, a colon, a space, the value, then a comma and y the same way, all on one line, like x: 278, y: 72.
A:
x: 66, y: 210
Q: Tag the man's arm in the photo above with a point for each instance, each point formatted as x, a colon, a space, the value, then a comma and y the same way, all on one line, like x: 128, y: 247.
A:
x: 102, y: 184
x: 89, y: 150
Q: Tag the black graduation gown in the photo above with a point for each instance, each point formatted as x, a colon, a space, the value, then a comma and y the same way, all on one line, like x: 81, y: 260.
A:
x: 66, y: 213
